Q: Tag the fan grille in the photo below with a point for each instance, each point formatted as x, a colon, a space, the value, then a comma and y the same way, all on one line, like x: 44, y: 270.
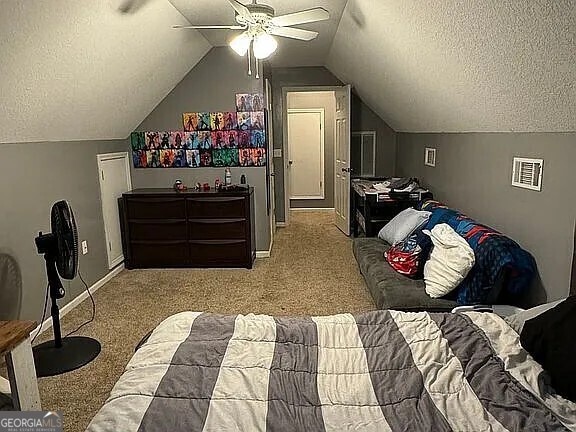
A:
x: 65, y: 231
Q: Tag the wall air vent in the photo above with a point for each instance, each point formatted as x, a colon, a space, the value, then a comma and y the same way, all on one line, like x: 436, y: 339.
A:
x: 430, y: 157
x: 527, y: 173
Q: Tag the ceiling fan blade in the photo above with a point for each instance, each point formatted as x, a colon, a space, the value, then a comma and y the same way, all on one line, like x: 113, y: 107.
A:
x: 294, y: 33
x: 206, y: 27
x: 307, y: 16
x: 241, y: 10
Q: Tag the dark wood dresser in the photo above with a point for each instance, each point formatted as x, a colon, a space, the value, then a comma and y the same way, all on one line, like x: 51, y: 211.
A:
x: 164, y: 228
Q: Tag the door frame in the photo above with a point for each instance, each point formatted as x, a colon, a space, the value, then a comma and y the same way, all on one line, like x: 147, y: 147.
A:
x: 101, y: 158
x: 322, y: 113
x: 271, y: 170
x: 285, y: 91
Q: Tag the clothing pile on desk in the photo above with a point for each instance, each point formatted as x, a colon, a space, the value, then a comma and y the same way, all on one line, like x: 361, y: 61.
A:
x: 388, y: 187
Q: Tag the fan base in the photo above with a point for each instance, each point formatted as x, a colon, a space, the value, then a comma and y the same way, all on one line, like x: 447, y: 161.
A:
x: 75, y: 352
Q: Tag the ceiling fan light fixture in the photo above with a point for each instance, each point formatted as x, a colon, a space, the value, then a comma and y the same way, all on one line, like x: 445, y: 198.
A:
x: 264, y: 46
x: 241, y: 44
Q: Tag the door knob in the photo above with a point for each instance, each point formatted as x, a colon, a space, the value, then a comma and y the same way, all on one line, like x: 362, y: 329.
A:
x: 290, y: 162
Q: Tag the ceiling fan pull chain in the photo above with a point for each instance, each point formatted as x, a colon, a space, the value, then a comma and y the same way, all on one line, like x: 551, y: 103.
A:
x: 249, y: 62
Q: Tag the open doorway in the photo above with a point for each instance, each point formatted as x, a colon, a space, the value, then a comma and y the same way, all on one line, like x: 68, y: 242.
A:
x: 310, y: 149
x: 317, y: 151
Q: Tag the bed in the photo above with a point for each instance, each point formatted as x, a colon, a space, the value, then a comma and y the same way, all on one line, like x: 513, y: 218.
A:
x: 377, y: 371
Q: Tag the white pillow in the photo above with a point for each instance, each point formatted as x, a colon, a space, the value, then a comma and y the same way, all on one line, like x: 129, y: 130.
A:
x: 450, y: 261
x: 403, y: 225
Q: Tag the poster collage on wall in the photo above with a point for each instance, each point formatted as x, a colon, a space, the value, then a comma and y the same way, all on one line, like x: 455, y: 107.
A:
x: 208, y: 139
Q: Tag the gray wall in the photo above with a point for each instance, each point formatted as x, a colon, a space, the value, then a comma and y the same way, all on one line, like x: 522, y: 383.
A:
x: 364, y: 119
x: 473, y: 174
x: 327, y: 101
x: 210, y: 86
x: 34, y: 176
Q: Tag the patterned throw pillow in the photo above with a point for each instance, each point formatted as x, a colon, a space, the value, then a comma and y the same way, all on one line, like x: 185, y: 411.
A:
x: 409, y: 256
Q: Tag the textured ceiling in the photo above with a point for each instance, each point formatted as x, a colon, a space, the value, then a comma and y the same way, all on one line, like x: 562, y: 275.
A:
x: 84, y: 70
x: 461, y: 65
x: 290, y: 52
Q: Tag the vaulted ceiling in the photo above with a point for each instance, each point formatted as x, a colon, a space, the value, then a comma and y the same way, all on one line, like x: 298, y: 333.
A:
x: 93, y: 69
x: 462, y: 65
x: 84, y: 69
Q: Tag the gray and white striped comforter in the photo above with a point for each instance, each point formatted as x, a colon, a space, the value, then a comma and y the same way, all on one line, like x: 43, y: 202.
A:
x: 379, y: 371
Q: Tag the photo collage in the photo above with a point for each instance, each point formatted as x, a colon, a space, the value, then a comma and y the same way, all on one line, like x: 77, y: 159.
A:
x: 208, y: 139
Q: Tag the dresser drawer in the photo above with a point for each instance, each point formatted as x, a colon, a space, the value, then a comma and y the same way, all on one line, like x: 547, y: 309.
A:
x: 216, y: 207
x: 146, y: 254
x: 156, y: 208
x: 219, y: 253
x: 217, y: 229
x: 150, y: 229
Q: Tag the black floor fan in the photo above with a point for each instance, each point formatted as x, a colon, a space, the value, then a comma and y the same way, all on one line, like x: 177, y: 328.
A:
x: 60, y: 249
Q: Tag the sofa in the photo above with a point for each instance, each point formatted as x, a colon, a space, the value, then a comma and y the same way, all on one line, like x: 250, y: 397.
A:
x: 502, y: 272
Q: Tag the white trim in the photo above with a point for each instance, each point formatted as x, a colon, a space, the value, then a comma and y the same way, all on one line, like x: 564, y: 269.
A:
x: 285, y: 91
x: 264, y: 253
x: 108, y: 156
x: 307, y: 197
x: 281, y: 224
x: 271, y: 189
x: 322, y: 113
x: 100, y: 159
x: 47, y: 324
x: 312, y: 209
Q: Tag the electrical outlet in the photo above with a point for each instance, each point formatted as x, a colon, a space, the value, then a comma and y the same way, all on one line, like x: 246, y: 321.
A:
x: 84, y: 247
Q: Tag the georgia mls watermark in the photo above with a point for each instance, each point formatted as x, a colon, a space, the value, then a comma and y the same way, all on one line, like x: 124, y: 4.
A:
x: 30, y: 421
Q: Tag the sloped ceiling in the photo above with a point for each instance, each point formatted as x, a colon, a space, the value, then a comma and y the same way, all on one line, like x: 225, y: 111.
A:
x: 461, y: 65
x: 82, y: 69
x: 290, y: 52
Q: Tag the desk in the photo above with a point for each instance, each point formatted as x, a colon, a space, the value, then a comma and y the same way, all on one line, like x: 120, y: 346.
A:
x: 15, y: 345
x: 372, y: 210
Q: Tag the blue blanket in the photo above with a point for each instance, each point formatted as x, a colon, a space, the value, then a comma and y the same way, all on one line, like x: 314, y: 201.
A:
x: 494, y: 253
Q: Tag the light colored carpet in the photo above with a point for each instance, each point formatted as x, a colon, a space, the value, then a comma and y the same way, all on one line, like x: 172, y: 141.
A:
x: 311, y: 272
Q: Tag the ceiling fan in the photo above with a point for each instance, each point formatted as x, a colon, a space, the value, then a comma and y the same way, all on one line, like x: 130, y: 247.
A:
x: 260, y: 26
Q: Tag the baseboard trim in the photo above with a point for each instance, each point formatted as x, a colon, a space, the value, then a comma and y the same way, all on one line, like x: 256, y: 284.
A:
x: 47, y: 324
x: 315, y: 209
x: 280, y: 224
x: 262, y: 254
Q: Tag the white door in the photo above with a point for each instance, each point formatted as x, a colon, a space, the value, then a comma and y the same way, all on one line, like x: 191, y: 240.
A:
x: 271, y: 179
x: 114, y: 174
x: 342, y: 164
x: 306, y: 153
